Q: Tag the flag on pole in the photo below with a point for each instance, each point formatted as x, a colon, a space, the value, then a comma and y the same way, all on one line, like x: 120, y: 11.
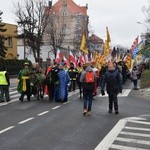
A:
x: 81, y: 59
x: 83, y: 46
x: 137, y: 49
x: 72, y: 58
x: 66, y: 62
x: 135, y: 43
x: 107, y: 42
x: 108, y: 35
x: 58, y: 56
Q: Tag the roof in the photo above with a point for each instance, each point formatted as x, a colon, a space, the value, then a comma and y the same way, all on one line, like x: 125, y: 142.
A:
x: 73, y: 8
x: 95, y: 39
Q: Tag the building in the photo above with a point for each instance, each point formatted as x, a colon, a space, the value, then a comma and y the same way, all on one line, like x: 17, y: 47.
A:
x: 95, y: 43
x: 67, y: 23
x: 11, y: 40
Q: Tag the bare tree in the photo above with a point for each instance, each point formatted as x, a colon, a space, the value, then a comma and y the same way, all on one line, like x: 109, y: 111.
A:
x: 55, y: 31
x: 3, y: 48
x: 33, y: 19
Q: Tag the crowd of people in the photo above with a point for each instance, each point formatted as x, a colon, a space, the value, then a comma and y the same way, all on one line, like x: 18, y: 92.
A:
x: 58, y: 80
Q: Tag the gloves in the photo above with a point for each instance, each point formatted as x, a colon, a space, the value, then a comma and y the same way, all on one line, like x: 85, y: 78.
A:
x: 103, y: 92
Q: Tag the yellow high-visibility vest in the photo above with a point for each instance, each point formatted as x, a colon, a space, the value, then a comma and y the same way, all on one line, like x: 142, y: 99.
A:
x: 3, y: 80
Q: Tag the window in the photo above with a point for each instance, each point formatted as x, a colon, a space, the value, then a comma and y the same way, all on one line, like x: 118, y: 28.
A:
x: 9, y: 39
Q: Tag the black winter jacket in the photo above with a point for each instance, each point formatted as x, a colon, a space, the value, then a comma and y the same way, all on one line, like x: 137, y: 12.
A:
x: 113, y: 81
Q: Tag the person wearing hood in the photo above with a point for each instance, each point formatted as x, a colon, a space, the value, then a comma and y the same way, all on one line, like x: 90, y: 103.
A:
x: 88, y: 79
x: 113, y: 82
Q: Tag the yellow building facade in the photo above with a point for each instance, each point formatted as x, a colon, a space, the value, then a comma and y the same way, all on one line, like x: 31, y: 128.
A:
x: 11, y: 40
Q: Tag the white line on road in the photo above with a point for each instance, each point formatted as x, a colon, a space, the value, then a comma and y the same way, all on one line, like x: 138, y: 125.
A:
x: 6, y: 129
x: 137, y: 141
x: 56, y: 107
x: 139, y: 122
x: 111, y: 136
x: 45, y: 112
x: 133, y: 128
x: 24, y: 121
x: 135, y: 134
x: 125, y: 92
x: 126, y: 147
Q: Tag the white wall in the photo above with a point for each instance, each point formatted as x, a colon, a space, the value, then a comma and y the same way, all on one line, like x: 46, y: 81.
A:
x: 46, y: 50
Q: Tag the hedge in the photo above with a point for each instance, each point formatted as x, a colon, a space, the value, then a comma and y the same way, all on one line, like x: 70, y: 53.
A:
x: 13, y: 66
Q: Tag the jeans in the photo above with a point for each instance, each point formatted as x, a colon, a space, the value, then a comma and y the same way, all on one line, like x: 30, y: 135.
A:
x: 113, y: 100
x: 135, y: 83
x: 87, y: 99
x: 4, y: 89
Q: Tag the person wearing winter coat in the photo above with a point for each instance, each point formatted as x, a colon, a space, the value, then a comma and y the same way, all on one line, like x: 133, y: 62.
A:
x: 113, y: 82
x: 134, y: 77
x: 4, y: 85
x: 88, y: 89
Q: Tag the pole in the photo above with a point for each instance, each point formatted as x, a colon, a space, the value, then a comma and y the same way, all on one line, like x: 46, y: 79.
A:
x: 24, y: 42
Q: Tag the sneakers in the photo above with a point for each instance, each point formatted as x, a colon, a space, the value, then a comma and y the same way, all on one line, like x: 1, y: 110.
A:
x: 89, y: 113
x: 84, y: 112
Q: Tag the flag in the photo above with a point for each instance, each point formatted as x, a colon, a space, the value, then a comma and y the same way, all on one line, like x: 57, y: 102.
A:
x: 72, y: 59
x: 91, y: 58
x: 106, y: 48
x: 128, y: 61
x: 58, y: 56
x: 86, y: 58
x: 81, y: 59
x: 66, y: 62
x: 137, y: 49
x: 108, y: 35
x: 134, y: 44
x: 83, y: 46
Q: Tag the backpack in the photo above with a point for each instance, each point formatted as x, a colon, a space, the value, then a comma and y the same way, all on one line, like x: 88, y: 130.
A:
x: 89, y: 77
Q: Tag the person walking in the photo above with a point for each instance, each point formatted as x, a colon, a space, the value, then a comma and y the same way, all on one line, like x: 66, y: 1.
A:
x: 113, y: 82
x: 88, y: 80
x: 61, y: 93
x: 73, y: 72
x: 134, y: 77
x: 4, y: 85
x: 24, y: 82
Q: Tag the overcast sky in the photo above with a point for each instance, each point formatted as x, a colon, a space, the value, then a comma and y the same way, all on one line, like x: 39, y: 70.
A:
x: 120, y: 16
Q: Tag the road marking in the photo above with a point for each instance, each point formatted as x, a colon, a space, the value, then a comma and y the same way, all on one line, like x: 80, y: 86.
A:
x: 137, y: 141
x: 111, y: 136
x: 45, y: 112
x: 6, y: 129
x: 24, y: 121
x: 135, y: 134
x: 56, y: 107
x: 125, y: 147
x: 139, y: 122
x: 133, y: 128
x: 13, y: 92
x: 125, y: 93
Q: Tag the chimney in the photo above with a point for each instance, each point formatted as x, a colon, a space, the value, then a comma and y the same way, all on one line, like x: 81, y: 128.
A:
x: 50, y: 4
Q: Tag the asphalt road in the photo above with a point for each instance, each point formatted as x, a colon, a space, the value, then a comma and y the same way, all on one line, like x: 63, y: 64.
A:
x: 41, y: 125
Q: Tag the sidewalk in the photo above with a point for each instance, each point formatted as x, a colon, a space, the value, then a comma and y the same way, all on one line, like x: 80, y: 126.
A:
x: 145, y: 92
